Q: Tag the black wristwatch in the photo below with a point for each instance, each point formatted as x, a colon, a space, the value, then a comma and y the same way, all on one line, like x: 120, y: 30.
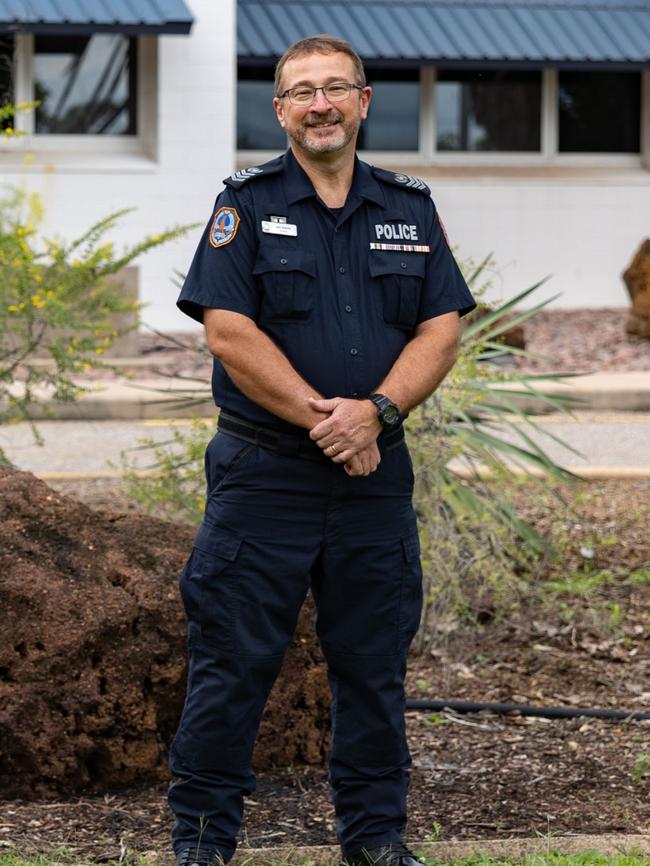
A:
x: 387, y: 411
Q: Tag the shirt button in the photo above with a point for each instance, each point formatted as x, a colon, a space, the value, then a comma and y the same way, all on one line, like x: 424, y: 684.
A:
x: 354, y: 351
x: 404, y: 265
x: 284, y: 261
x: 348, y: 308
x: 341, y: 270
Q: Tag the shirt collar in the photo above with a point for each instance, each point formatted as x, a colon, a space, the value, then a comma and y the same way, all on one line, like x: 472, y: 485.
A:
x: 299, y: 186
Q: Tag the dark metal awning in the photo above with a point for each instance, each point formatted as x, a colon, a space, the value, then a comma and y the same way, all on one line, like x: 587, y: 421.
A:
x: 132, y: 17
x: 531, y: 33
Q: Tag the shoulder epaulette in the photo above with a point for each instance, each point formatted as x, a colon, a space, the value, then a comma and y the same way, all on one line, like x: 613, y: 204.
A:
x: 238, y: 178
x: 406, y: 181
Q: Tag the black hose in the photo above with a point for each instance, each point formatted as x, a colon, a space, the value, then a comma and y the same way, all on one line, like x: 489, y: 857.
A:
x: 525, y: 710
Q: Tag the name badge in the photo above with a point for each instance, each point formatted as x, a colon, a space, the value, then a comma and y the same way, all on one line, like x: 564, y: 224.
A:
x: 273, y: 228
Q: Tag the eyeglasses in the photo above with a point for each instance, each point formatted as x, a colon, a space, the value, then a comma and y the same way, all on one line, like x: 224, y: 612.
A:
x: 335, y: 92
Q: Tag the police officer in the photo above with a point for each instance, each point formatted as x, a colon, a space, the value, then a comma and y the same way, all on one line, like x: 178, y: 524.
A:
x: 331, y: 304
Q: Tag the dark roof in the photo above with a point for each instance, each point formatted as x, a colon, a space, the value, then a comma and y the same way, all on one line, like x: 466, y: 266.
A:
x: 450, y: 32
x: 92, y: 16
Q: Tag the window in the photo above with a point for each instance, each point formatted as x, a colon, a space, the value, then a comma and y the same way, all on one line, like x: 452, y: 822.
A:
x: 496, y: 116
x: 85, y: 84
x: 599, y: 112
x: 257, y: 125
x: 488, y: 110
x: 6, y: 78
x: 393, y: 121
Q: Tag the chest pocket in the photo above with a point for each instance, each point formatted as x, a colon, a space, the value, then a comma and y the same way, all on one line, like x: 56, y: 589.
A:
x: 398, y: 278
x: 287, y: 278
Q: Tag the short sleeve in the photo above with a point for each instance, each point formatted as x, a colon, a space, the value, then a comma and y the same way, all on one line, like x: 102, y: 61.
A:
x: 445, y: 289
x: 221, y: 273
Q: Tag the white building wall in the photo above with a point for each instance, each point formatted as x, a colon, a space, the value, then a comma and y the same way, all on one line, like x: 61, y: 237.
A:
x: 580, y: 227
x: 189, y: 136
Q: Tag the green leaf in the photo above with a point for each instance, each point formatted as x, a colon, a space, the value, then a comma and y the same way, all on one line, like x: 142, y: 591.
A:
x: 480, y: 325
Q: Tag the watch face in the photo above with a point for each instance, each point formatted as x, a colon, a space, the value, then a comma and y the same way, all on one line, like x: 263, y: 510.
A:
x: 390, y: 415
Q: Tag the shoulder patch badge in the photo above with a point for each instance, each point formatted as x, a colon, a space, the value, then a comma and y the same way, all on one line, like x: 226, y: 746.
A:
x: 245, y: 174
x: 410, y: 181
x: 224, y: 226
x: 406, y: 181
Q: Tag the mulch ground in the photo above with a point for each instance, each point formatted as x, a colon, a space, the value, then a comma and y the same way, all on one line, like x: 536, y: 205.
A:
x: 474, y: 776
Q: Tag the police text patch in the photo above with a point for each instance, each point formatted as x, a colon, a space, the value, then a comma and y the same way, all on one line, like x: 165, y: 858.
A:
x: 397, y: 232
x: 224, y: 226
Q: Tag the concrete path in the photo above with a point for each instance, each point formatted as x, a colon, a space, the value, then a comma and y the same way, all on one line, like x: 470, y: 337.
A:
x: 610, y: 445
x: 84, y: 447
x: 181, y: 398
x: 611, y: 432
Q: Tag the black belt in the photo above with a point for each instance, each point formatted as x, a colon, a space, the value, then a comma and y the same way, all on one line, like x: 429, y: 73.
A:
x: 287, y: 444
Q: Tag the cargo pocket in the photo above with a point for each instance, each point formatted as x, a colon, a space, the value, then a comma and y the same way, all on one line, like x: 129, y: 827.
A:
x: 208, y: 585
x: 398, y: 278
x: 411, y: 595
x: 287, y: 278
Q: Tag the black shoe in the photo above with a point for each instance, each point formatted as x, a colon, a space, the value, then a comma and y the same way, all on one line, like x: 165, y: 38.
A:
x: 395, y: 854
x: 197, y: 856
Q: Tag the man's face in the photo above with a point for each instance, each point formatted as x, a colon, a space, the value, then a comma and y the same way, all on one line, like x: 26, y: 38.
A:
x: 322, y: 127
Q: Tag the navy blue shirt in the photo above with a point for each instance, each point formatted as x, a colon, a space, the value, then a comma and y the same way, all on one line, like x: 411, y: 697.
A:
x: 339, y: 291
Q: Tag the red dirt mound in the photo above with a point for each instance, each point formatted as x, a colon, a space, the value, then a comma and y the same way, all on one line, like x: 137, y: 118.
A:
x: 92, y: 661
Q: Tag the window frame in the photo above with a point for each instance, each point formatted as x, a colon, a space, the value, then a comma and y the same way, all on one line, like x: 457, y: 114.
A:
x: 68, y: 148
x: 427, y: 156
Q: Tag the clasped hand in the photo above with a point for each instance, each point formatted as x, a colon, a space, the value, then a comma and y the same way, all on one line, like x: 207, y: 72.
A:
x: 348, y: 433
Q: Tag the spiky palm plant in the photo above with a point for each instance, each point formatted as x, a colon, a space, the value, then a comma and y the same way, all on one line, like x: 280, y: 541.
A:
x: 474, y: 456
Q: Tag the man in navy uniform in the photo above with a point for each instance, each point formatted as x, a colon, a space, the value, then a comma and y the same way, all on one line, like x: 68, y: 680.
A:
x: 331, y: 304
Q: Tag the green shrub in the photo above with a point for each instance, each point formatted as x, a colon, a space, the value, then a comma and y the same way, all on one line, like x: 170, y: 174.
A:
x: 8, y: 112
x: 174, y: 489
x: 56, y: 299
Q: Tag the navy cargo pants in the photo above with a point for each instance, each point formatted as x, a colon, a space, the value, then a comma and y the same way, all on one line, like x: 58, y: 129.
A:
x: 273, y: 526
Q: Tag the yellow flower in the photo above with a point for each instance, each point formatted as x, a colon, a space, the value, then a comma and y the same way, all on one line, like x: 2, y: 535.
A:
x: 37, y: 301
x: 12, y: 308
